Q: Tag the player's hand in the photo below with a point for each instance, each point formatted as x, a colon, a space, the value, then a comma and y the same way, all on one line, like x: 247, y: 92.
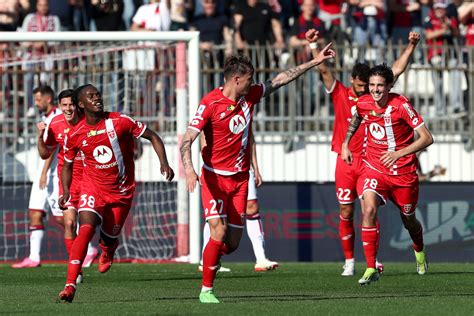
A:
x: 388, y: 158
x: 191, y: 179
x: 311, y: 36
x: 258, y: 178
x: 43, y: 181
x: 63, y: 199
x: 413, y: 38
x: 326, y: 53
x: 346, y: 154
x: 41, y: 126
x: 167, y: 172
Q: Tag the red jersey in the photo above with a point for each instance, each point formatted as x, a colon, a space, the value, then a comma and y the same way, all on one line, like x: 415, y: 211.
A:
x: 56, y: 132
x: 344, y: 101
x: 108, y: 152
x: 470, y: 31
x: 389, y: 129
x: 226, y: 126
x: 433, y: 23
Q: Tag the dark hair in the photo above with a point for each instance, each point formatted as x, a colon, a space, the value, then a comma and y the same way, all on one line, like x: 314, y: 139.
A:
x: 237, y: 65
x: 383, y: 71
x: 361, y: 71
x: 77, y: 93
x: 44, y: 90
x: 65, y: 94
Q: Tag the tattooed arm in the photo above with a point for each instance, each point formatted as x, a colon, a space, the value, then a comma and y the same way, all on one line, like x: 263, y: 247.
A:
x: 285, y: 77
x: 346, y: 154
x: 185, y: 150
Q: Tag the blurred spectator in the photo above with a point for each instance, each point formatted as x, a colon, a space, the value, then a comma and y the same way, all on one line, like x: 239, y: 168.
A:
x: 443, y: 30
x: 369, y: 27
x: 214, y: 28
x: 107, y: 15
x: 405, y: 17
x: 332, y: 13
x: 154, y: 16
x: 39, y: 21
x: 257, y: 23
x: 306, y: 20
x: 10, y: 14
x: 289, y: 11
x: 64, y: 11
x: 80, y: 14
x: 181, y: 11
x: 466, y: 16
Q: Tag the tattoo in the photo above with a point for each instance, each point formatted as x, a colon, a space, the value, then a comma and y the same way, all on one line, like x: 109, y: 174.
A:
x: 287, y: 76
x: 353, y: 126
x: 186, y: 154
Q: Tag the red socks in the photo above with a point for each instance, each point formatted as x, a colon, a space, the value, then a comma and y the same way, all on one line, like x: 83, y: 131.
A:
x: 68, y: 243
x: 417, y: 238
x: 369, y: 242
x: 347, y: 236
x: 210, y: 261
x: 78, y: 252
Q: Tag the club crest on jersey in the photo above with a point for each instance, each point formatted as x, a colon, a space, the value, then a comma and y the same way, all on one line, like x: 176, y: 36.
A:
x: 407, y: 208
x: 237, y: 124
x: 102, y: 154
x: 111, y: 134
x: 377, y: 131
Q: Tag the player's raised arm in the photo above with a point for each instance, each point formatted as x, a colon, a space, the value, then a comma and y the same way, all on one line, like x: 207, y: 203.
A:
x: 287, y: 76
x: 159, y: 148
x: 346, y: 154
x: 401, y: 63
x: 44, y: 150
x: 185, y: 149
x: 312, y: 36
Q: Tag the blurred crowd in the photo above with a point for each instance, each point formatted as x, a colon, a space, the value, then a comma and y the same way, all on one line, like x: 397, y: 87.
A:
x: 247, y: 22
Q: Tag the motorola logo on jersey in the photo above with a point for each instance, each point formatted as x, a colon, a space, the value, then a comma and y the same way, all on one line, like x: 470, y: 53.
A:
x: 237, y: 124
x: 102, y: 154
x: 377, y: 131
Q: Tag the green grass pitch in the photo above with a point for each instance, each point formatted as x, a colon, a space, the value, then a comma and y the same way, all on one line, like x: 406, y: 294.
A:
x: 293, y: 289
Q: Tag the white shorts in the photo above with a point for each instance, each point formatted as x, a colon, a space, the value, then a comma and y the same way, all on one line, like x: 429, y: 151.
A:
x: 40, y: 198
x: 252, y: 195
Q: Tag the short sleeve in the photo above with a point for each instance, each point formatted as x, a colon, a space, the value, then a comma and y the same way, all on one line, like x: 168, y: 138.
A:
x: 48, y: 136
x: 69, y: 148
x: 203, y: 114
x: 137, y: 128
x: 256, y: 93
x: 409, y: 115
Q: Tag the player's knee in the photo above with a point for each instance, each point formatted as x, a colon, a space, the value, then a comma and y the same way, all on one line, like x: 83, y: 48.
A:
x: 36, y: 218
x: 346, y: 211
x: 70, y: 226
x: 369, y: 211
x: 252, y: 208
x: 219, y: 232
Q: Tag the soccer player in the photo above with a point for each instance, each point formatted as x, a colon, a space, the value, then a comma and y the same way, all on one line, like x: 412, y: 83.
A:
x: 106, y: 140
x: 52, y: 136
x: 225, y: 117
x: 253, y: 221
x: 349, y: 177
x: 44, y: 190
x: 391, y: 163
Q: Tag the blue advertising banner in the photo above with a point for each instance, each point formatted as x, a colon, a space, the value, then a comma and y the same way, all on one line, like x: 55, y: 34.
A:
x: 300, y: 221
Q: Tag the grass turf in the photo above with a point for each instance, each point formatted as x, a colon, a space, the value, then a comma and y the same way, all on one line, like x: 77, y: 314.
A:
x: 293, y: 289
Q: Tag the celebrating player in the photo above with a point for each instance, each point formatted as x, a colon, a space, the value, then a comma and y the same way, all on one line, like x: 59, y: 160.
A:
x: 349, y: 177
x: 107, y: 141
x: 253, y: 221
x: 225, y: 116
x: 51, y: 136
x: 45, y: 186
x: 391, y: 163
